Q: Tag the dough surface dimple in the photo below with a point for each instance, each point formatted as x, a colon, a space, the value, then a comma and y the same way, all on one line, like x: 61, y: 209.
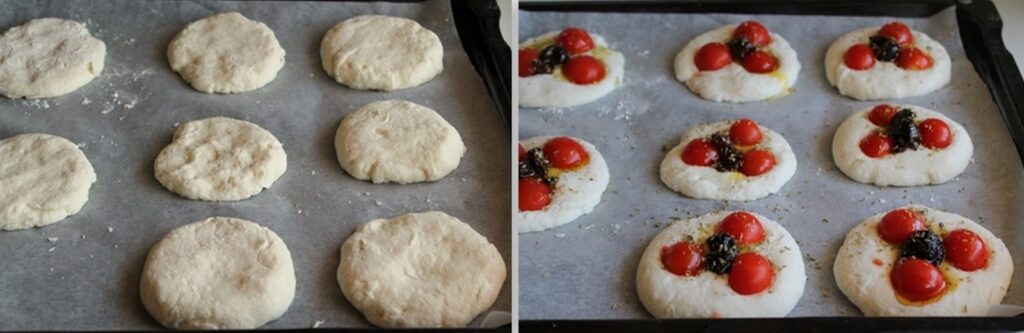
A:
x: 420, y: 270
x: 226, y: 53
x: 43, y: 179
x: 218, y: 273
x: 375, y: 52
x: 220, y: 159
x: 48, y: 57
x: 397, y: 141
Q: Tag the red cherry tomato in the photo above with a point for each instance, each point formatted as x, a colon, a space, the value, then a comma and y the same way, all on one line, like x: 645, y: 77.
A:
x: 712, y: 56
x: 753, y: 32
x: 575, y: 40
x: 522, y: 152
x: 760, y: 62
x: 565, y: 153
x: 859, y: 57
x: 744, y: 227
x: 750, y: 274
x: 534, y: 194
x: 683, y: 258
x: 917, y: 280
x: 745, y: 132
x: 912, y: 58
x: 700, y: 152
x: 965, y: 250
x: 882, y: 115
x: 897, y: 226
x: 935, y: 133
x: 584, y: 69
x: 876, y: 145
x: 898, y: 32
x: 757, y: 162
x: 526, y: 59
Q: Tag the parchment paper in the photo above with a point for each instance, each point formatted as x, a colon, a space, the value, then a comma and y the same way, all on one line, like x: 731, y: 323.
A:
x: 587, y: 269
x: 88, y: 276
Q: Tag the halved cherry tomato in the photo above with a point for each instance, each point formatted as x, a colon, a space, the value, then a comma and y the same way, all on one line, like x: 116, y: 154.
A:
x: 712, y: 56
x: 565, y: 153
x: 534, y: 194
x: 912, y: 58
x: 876, y: 145
x: 522, y: 152
x: 966, y: 250
x: 526, y: 59
x: 744, y: 227
x: 745, y: 132
x: 881, y: 115
x: 898, y: 32
x: 897, y: 226
x: 760, y: 62
x: 683, y: 258
x: 935, y: 133
x: 757, y: 162
x: 859, y: 57
x: 753, y: 32
x: 750, y: 274
x: 700, y: 152
x: 917, y: 280
x: 584, y: 69
x: 575, y: 40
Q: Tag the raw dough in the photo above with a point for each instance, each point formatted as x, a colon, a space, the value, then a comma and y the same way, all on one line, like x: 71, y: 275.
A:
x: 733, y: 83
x: 923, y: 166
x: 553, y: 90
x: 397, y: 141
x: 48, y: 57
x: 576, y: 194
x: 218, y: 273
x: 707, y: 295
x: 226, y: 53
x: 867, y: 284
x: 43, y: 179
x: 885, y: 80
x: 220, y: 159
x: 420, y: 270
x: 377, y: 52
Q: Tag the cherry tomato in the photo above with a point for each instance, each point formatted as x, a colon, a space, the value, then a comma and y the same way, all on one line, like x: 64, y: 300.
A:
x: 753, y: 32
x: 912, y: 58
x: 683, y: 258
x: 876, y: 145
x: 935, y: 133
x: 522, y: 152
x: 526, y: 59
x: 760, y: 62
x: 881, y: 115
x: 897, y: 226
x: 534, y: 194
x: 584, y: 69
x: 965, y: 250
x: 859, y: 57
x: 575, y: 40
x: 917, y: 280
x: 898, y: 32
x: 744, y: 227
x: 757, y: 162
x: 745, y: 132
x: 712, y: 56
x: 700, y: 152
x: 565, y: 153
x: 750, y: 274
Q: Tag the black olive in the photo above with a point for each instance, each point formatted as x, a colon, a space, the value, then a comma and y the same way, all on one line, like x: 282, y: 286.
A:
x: 550, y: 57
x: 729, y: 158
x: 740, y: 47
x: 924, y: 245
x: 722, y: 249
x: 535, y: 165
x: 903, y: 131
x: 886, y: 49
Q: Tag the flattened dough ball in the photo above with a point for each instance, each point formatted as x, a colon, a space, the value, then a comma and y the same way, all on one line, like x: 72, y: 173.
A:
x: 420, y: 270
x: 376, y: 52
x: 43, y: 179
x: 399, y: 142
x: 48, y: 57
x: 226, y: 53
x: 886, y: 80
x: 218, y: 273
x: 220, y: 159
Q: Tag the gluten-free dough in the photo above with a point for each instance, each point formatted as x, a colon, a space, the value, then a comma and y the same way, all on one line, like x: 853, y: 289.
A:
x: 226, y: 53
x: 43, y: 179
x: 376, y: 52
x: 48, y: 57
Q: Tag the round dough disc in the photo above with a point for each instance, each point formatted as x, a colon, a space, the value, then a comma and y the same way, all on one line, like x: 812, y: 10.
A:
x: 226, y: 53
x: 220, y: 159
x: 867, y: 284
x: 576, y: 194
x: 375, y: 52
x: 218, y: 273
x: 44, y: 179
x: 554, y: 90
x: 707, y: 295
x: 48, y: 57
x: 397, y: 141
x: 885, y: 80
x: 420, y: 270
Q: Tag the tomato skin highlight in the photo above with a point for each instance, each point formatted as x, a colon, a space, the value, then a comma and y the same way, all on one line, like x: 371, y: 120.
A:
x: 750, y: 274
x: 757, y: 162
x: 760, y: 62
x: 712, y: 56
x: 683, y: 258
x: 897, y: 226
x: 575, y: 40
x: 744, y: 227
x: 859, y: 57
x: 898, y: 32
x: 700, y: 152
x: 917, y: 280
x: 754, y: 32
x: 745, y: 132
x: 534, y: 194
x: 965, y: 250
x: 527, y: 57
x: 935, y: 133
x: 881, y: 115
x: 876, y: 145
x: 565, y: 153
x: 912, y: 58
x: 584, y: 70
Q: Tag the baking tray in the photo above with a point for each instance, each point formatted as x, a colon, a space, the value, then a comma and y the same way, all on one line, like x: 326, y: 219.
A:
x: 635, y: 124
x: 88, y: 277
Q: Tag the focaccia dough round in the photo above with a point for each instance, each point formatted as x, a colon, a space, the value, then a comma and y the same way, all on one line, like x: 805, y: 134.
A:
x: 376, y: 52
x: 867, y: 284
x: 48, y: 57
x: 576, y: 194
x: 43, y: 179
x: 420, y: 270
x: 707, y: 183
x: 733, y: 83
x: 218, y: 273
x: 554, y: 90
x: 708, y: 295
x: 397, y: 141
x: 923, y: 166
x: 226, y: 53
x: 220, y: 159
x: 885, y: 80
